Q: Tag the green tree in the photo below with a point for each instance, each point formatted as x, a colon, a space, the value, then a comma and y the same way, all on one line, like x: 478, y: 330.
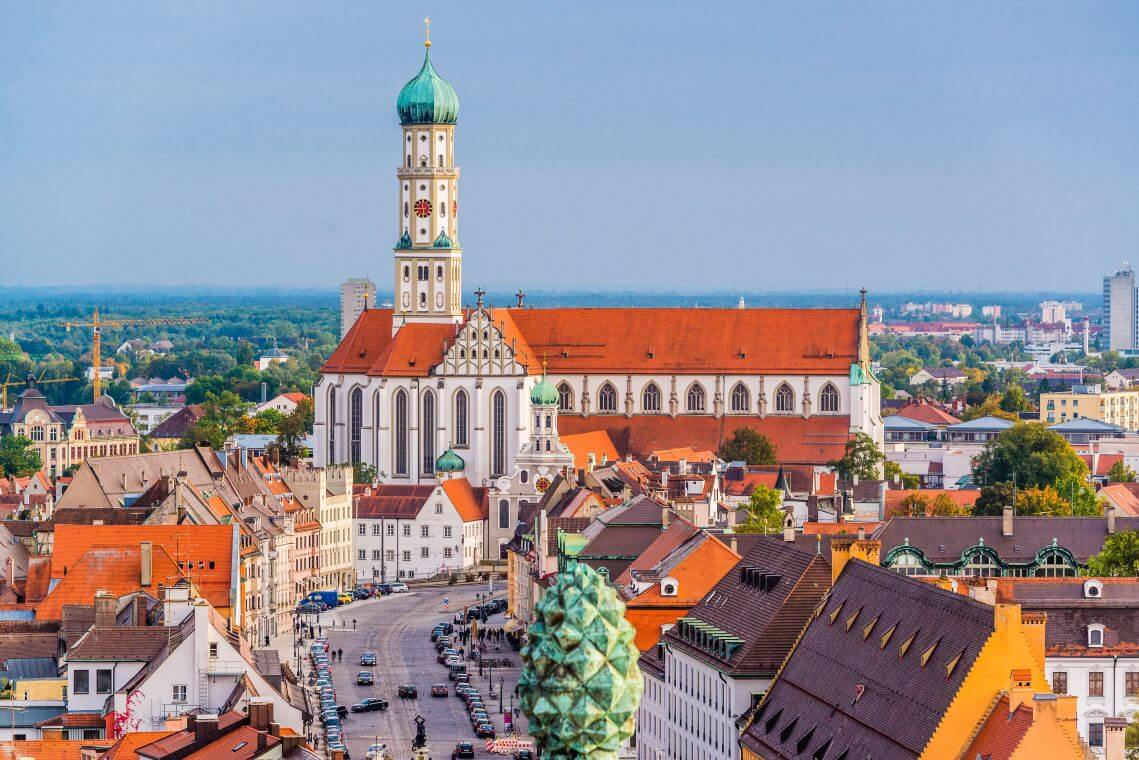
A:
x: 750, y: 446
x: 17, y: 457
x: 223, y: 414
x: 1042, y: 502
x: 989, y: 407
x: 943, y: 505
x: 267, y: 422
x: 915, y: 505
x: 993, y: 499
x: 1030, y: 455
x: 244, y: 352
x: 364, y: 473
x: 862, y: 459
x: 293, y: 430
x: 1120, y: 473
x: 893, y: 471
x: 1119, y: 556
x: 763, y: 513
x: 1014, y: 401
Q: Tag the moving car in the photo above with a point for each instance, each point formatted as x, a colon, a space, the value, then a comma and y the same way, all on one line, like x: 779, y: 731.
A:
x: 368, y: 658
x: 447, y: 654
x: 464, y: 749
x: 370, y: 704
x: 365, y: 678
x: 408, y: 691
x: 439, y: 690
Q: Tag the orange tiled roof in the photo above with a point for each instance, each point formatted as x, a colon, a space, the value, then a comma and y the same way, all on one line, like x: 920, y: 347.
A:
x: 470, y: 503
x: 639, y: 340
x: 49, y: 749
x: 830, y: 528
x: 124, y: 748
x: 923, y: 412
x: 962, y: 497
x: 814, y: 440
x: 746, y: 484
x: 205, y: 551
x: 596, y: 442
x: 1002, y: 731
x: 1125, y: 496
x: 687, y: 453
x: 113, y: 568
x: 295, y: 397
x: 1103, y: 463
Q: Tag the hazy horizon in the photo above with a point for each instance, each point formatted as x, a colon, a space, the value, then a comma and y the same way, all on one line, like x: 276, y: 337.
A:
x: 663, y: 147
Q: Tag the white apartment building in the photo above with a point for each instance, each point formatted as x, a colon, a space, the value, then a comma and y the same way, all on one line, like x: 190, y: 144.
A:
x: 1121, y: 310
x: 405, y: 532
x: 331, y: 489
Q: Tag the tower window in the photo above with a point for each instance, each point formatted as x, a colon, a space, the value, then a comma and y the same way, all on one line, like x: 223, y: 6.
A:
x: 423, y: 188
x: 423, y: 138
x: 405, y: 209
x: 440, y: 161
x: 439, y: 273
x: 409, y: 138
x: 406, y: 273
x: 423, y: 272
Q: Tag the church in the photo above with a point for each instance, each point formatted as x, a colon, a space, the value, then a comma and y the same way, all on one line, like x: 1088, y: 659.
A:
x: 432, y: 388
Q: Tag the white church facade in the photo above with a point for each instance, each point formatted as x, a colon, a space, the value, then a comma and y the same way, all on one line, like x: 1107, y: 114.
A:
x: 494, y: 387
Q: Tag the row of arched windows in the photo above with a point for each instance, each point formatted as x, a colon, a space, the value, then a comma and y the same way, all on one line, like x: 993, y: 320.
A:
x: 427, y: 426
x: 696, y: 399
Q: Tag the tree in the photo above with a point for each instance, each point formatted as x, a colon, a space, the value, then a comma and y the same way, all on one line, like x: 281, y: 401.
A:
x: 764, y: 512
x: 1014, y: 401
x: 1120, y: 473
x: 750, y: 446
x: 893, y: 471
x: 266, y: 422
x: 862, y: 459
x: 364, y: 473
x: 993, y: 499
x: 244, y: 352
x: 1042, y: 502
x: 18, y: 458
x: 1030, y: 455
x: 1119, y: 556
x: 915, y: 505
x: 943, y: 505
x: 989, y: 407
x: 223, y: 415
x: 293, y: 430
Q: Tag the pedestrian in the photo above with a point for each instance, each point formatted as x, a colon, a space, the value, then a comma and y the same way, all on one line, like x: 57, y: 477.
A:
x: 340, y: 654
x: 353, y: 624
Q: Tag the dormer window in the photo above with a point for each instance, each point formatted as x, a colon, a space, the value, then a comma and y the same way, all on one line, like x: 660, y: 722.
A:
x: 1095, y: 635
x: 1093, y: 589
x: 668, y: 587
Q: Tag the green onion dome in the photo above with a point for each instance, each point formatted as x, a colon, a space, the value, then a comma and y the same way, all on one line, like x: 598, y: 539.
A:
x: 428, y: 98
x: 449, y: 461
x: 404, y: 241
x: 544, y: 393
x: 443, y: 241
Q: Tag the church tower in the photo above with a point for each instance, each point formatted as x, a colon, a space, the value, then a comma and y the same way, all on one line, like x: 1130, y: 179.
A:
x: 428, y: 258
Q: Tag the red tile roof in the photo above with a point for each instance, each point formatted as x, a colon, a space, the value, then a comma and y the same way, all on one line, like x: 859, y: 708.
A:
x: 1002, y: 732
x: 1125, y: 496
x: 596, y: 442
x: 413, y: 351
x: 75, y: 720
x: 295, y: 397
x: 48, y: 749
x: 1103, y: 463
x: 363, y: 344
x: 923, y: 412
x: 393, y: 502
x: 240, y: 744
x: 815, y: 440
x: 687, y: 453
x: 122, y: 644
x: 114, y: 569
x: 124, y: 748
x: 179, y: 740
x: 471, y: 503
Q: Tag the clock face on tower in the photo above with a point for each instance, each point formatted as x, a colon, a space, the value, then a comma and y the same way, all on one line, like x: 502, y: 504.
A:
x: 423, y: 208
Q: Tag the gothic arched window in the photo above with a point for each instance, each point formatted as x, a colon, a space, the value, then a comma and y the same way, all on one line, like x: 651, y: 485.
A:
x: 741, y: 398
x: 828, y: 399
x: 331, y: 426
x: 498, y: 433
x: 355, y: 423
x: 696, y: 398
x: 565, y: 398
x: 427, y: 426
x: 607, y: 398
x: 399, y: 415
x: 376, y: 427
x: 784, y: 398
x: 461, y: 415
x: 650, y: 398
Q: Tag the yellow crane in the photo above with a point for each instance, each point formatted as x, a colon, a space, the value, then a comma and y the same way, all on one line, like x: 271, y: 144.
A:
x: 13, y: 383
x: 97, y: 326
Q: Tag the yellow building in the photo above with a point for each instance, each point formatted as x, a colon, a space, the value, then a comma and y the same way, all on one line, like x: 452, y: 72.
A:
x: 1091, y: 402
x: 911, y: 671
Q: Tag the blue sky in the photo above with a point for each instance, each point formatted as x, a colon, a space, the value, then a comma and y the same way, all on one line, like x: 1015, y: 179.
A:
x: 664, y: 145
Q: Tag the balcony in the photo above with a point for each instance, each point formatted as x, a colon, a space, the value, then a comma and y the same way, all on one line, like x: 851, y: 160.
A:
x: 216, y: 667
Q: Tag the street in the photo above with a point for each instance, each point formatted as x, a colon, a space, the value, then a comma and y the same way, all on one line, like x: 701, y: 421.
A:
x: 397, y: 628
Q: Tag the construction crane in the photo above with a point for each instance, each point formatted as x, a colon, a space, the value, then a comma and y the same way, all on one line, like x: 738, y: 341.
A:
x: 98, y: 325
x: 9, y: 383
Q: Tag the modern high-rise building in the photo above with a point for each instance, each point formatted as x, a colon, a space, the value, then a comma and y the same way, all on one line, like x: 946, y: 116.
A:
x: 356, y: 295
x: 1121, y: 309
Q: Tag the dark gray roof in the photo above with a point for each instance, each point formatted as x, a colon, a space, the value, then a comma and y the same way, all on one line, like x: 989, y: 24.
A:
x: 31, y: 667
x: 28, y: 717
x: 943, y: 539
x: 815, y: 699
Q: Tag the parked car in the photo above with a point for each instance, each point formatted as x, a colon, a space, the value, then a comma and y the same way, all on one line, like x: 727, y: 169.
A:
x: 399, y: 588
x: 368, y: 658
x: 485, y: 731
x: 345, y: 598
x: 464, y: 749
x: 439, y: 690
x: 376, y: 751
x: 310, y: 608
x: 408, y: 691
x: 447, y: 654
x: 370, y: 704
x: 448, y: 629
x: 524, y: 754
x: 365, y: 678
x: 384, y: 588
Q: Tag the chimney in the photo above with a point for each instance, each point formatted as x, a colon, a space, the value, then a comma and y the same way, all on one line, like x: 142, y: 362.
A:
x: 1114, y: 731
x: 1109, y: 513
x: 683, y: 466
x: 788, y: 526
x: 262, y: 740
x: 590, y: 461
x: 139, y: 610
x: 146, y: 563
x: 664, y: 518
x: 1020, y: 689
x: 1006, y: 521
x: 105, y: 609
x: 274, y: 727
x: 861, y: 532
x: 260, y: 713
x: 854, y: 479
x: 735, y: 544
x: 206, y: 728
x: 844, y: 549
x: 10, y: 572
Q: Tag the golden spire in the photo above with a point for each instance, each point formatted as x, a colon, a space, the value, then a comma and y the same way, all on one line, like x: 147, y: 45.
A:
x: 543, y: 364
x: 427, y: 32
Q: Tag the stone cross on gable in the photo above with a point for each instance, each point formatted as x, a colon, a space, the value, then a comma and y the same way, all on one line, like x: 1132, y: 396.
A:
x: 521, y: 296
x: 478, y: 296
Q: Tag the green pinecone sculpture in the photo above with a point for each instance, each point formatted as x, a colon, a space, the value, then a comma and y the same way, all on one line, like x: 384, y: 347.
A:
x: 580, y: 684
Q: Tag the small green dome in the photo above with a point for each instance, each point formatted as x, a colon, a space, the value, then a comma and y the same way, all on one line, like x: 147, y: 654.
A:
x: 544, y: 393
x: 428, y: 98
x: 443, y: 241
x: 403, y: 242
x: 449, y: 461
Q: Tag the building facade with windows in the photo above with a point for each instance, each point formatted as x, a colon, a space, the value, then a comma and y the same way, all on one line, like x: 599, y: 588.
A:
x: 1121, y: 310
x: 429, y: 373
x: 404, y: 532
